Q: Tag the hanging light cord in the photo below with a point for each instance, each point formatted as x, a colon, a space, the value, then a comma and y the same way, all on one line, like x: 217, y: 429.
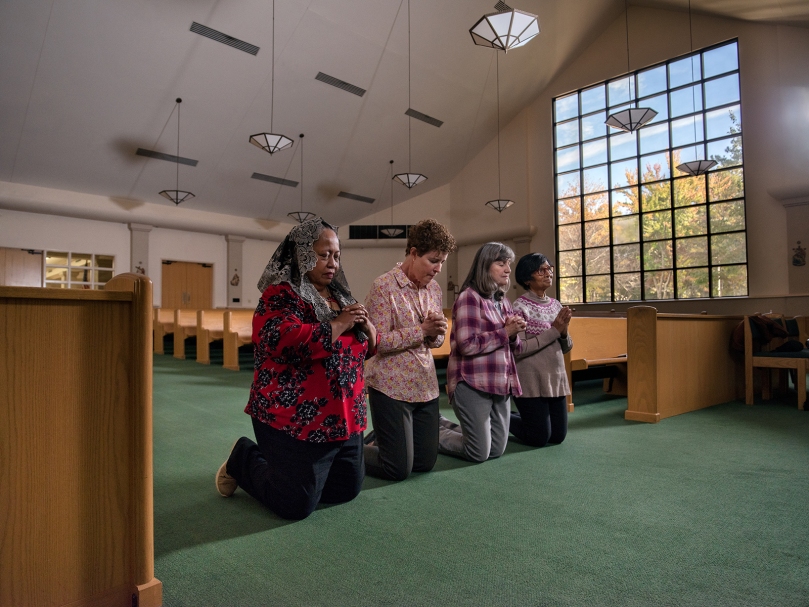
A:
x: 301, y: 172
x: 179, y: 101
x: 626, y: 16
x: 693, y: 92
x: 409, y: 118
x: 391, y: 192
x: 272, y: 77
x: 498, y: 125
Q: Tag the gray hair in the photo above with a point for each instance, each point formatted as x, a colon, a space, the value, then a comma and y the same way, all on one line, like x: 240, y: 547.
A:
x: 479, y: 278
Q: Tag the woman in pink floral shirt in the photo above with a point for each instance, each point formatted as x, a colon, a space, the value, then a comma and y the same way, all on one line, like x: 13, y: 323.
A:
x: 404, y: 305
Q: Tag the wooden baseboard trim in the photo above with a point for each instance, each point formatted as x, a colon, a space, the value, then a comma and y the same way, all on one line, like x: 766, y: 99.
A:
x: 641, y: 416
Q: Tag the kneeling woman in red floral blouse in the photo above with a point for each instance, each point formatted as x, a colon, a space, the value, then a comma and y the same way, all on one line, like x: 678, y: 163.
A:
x: 311, y: 338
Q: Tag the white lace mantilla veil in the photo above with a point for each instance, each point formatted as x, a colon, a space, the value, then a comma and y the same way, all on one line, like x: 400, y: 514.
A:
x: 294, y: 257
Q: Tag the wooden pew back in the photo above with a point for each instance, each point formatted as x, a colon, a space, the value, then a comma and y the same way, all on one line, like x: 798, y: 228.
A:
x: 598, y: 340
x: 77, y: 490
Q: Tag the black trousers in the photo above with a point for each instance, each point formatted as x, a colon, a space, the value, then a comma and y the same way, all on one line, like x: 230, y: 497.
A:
x: 406, y: 437
x: 291, y: 477
x: 540, y: 420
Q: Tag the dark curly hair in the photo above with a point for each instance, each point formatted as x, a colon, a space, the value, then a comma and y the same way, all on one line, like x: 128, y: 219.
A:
x: 526, y: 267
x: 429, y: 235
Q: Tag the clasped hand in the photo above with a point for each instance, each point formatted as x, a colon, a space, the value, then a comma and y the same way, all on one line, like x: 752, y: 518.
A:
x: 562, y: 321
x: 434, y: 324
x: 514, y: 324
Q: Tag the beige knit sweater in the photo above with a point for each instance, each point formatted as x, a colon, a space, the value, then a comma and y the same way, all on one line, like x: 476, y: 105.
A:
x: 540, y: 360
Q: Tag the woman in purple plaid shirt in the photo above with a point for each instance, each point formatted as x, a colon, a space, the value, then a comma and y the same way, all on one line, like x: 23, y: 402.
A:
x: 481, y: 373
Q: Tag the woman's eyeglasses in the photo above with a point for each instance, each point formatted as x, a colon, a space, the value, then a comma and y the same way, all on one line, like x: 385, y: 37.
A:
x: 546, y: 270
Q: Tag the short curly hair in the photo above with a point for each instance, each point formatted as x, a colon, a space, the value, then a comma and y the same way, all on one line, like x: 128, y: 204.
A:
x: 429, y: 235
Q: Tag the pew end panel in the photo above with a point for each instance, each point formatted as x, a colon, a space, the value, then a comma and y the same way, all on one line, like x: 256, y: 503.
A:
x: 209, y: 328
x: 237, y: 331
x: 76, y: 446
x: 163, y: 324
x: 185, y: 325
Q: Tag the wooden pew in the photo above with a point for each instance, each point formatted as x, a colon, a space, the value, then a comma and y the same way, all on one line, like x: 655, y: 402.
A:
x: 598, y: 341
x: 76, y: 446
x: 185, y: 325
x: 163, y: 324
x: 237, y: 331
x: 210, y: 327
x: 678, y: 363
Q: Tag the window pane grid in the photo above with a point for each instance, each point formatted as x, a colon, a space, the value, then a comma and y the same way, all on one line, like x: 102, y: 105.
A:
x: 638, y: 227
x: 65, y: 270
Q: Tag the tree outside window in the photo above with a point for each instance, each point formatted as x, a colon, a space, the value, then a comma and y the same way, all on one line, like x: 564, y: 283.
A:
x: 630, y: 225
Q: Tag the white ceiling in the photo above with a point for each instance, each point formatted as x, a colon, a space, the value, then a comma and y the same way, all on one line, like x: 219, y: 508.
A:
x: 87, y: 82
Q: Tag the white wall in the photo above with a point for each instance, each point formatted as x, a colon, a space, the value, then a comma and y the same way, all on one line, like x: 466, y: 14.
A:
x: 38, y: 231
x: 255, y: 255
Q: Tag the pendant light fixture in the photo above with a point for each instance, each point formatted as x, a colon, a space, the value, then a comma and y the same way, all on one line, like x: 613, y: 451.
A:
x: 301, y: 216
x: 409, y: 179
x: 500, y: 204
x: 177, y: 196
x: 695, y: 168
x: 391, y: 232
x: 506, y: 29
x: 631, y: 119
x: 271, y: 142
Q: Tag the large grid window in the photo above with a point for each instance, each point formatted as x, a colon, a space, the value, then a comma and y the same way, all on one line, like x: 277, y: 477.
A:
x: 629, y: 224
x: 64, y: 270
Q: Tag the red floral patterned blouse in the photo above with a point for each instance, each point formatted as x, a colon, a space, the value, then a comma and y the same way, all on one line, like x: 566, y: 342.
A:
x: 303, y: 384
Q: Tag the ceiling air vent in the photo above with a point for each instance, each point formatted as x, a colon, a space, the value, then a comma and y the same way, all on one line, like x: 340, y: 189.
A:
x: 203, y: 30
x: 423, y: 117
x: 278, y: 180
x: 340, y: 84
x: 356, y: 197
x: 167, y: 157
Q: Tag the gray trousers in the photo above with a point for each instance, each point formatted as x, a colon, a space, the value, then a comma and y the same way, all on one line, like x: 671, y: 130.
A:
x: 484, y: 418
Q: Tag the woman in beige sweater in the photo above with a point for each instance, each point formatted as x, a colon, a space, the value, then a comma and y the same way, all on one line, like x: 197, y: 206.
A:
x: 542, y: 416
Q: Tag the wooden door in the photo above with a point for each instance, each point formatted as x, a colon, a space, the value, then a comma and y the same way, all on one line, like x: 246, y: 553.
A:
x: 20, y: 268
x: 187, y: 285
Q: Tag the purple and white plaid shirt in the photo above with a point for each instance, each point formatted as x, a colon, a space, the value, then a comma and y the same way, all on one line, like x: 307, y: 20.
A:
x: 482, y: 354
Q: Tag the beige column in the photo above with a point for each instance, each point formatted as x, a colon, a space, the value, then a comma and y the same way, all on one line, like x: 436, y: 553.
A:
x: 139, y: 248
x: 234, y: 273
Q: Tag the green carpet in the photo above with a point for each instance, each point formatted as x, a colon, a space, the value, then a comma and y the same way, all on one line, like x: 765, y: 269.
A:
x: 708, y: 508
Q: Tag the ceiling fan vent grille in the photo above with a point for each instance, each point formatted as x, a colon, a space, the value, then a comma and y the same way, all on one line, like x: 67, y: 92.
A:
x: 423, y: 117
x: 167, y: 157
x: 278, y: 180
x: 340, y: 84
x: 206, y: 31
x: 356, y: 197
